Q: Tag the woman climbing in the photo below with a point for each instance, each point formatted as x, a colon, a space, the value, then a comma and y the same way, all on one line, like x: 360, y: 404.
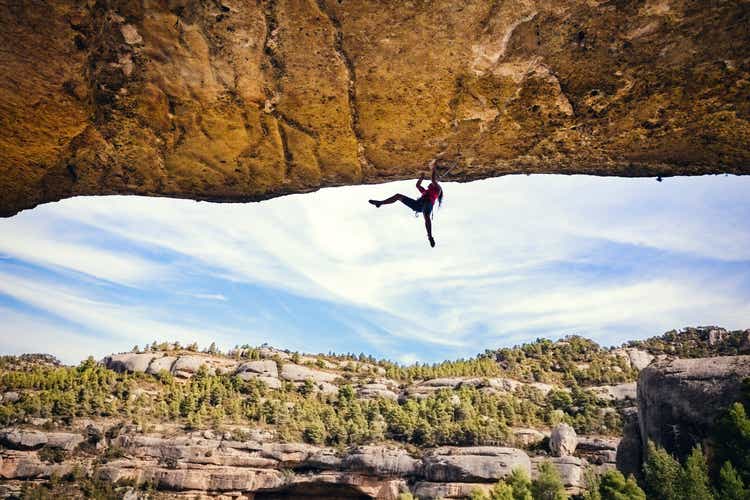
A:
x: 425, y: 202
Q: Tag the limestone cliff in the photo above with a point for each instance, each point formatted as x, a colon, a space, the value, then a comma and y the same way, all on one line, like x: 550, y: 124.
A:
x: 679, y: 400
x: 234, y: 101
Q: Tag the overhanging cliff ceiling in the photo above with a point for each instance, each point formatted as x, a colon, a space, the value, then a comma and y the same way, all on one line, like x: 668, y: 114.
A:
x: 234, y: 100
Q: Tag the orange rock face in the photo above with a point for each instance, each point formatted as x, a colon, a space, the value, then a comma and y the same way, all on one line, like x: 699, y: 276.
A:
x: 239, y: 101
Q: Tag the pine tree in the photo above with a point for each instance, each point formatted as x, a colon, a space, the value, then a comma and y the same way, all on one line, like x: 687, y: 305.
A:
x: 694, y: 477
x: 730, y: 484
x: 549, y: 485
x: 614, y: 486
x: 733, y: 440
x: 662, y: 473
x: 521, y: 484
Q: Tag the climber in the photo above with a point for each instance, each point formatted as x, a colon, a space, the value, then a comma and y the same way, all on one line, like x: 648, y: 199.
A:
x: 425, y: 202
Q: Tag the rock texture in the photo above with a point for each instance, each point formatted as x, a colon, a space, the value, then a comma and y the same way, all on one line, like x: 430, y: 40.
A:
x: 563, y: 440
x: 630, y: 449
x: 238, y: 101
x: 211, y: 465
x: 679, y: 399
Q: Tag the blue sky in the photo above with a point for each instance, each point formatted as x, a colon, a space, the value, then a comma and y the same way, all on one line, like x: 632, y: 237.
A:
x: 517, y: 258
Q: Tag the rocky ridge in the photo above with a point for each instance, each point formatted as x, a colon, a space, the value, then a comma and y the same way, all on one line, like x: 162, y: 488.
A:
x: 255, y: 459
x: 221, y: 464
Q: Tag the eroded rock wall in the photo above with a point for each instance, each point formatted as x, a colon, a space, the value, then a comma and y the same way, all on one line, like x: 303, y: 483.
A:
x: 234, y: 101
x: 679, y: 400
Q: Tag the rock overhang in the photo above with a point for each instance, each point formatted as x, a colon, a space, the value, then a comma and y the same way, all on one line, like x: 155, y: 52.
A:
x: 236, y: 102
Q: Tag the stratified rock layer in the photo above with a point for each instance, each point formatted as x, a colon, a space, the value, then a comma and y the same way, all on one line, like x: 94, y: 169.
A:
x: 239, y: 101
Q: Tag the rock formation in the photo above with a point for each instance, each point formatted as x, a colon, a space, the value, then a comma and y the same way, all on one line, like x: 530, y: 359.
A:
x: 680, y: 399
x: 212, y: 465
x: 238, y: 101
x: 563, y: 440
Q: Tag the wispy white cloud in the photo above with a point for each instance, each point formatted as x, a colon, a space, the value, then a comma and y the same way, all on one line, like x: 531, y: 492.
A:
x: 131, y: 323
x: 516, y: 257
x: 45, y: 243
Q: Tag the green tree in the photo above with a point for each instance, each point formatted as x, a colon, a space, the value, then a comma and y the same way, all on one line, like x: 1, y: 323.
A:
x: 733, y: 440
x: 694, y: 477
x: 662, y: 473
x: 314, y: 433
x: 521, y: 484
x: 548, y: 485
x: 614, y: 486
x: 730, y: 484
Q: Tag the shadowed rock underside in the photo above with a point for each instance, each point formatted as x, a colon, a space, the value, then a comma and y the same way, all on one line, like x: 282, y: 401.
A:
x: 238, y: 101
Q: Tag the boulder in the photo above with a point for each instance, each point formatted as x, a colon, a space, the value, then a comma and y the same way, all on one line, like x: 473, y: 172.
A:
x: 129, y: 362
x: 680, y: 399
x: 163, y: 363
x: 473, y: 464
x: 10, y: 397
x: 381, y: 461
x: 187, y: 366
x: 297, y: 373
x: 526, y: 438
x: 563, y: 440
x: 265, y: 367
x: 619, y: 392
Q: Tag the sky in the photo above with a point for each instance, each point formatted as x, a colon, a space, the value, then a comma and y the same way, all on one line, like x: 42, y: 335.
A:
x: 517, y: 258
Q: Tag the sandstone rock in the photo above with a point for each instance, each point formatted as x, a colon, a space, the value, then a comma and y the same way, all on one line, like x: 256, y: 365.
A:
x: 327, y: 388
x: 542, y: 387
x: 23, y: 440
x: 563, y: 440
x: 164, y: 363
x: 264, y: 367
x: 526, y: 438
x: 571, y: 471
x: 289, y: 454
x: 187, y: 366
x: 213, y: 479
x: 20, y: 439
x: 679, y: 399
x: 472, y: 464
x: 297, y: 373
x: 639, y: 359
x: 271, y: 352
x: 630, y: 450
x: 68, y: 133
x: 27, y: 465
x: 271, y: 382
x: 598, y: 450
x: 10, y: 397
x: 425, y: 489
x: 130, y: 34
x: 619, y: 392
x: 374, y: 391
x: 716, y: 336
x: 381, y: 461
x: 129, y: 362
